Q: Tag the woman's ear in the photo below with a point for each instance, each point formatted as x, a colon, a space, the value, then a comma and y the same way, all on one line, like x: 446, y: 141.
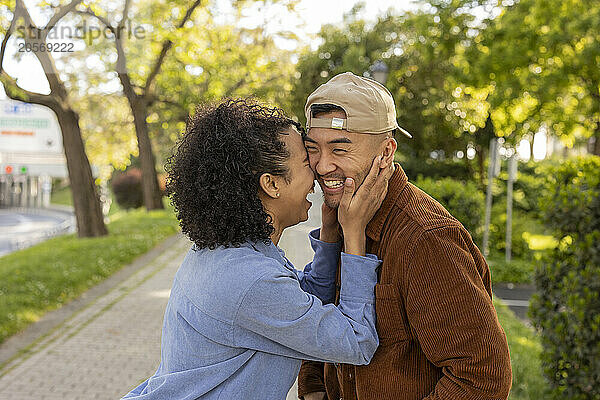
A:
x: 389, y: 149
x: 270, y: 185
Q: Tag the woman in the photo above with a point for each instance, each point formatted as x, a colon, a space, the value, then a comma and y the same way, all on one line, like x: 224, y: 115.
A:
x: 240, y: 318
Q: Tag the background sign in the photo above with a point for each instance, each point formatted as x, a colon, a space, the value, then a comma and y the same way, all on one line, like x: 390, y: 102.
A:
x: 28, y: 128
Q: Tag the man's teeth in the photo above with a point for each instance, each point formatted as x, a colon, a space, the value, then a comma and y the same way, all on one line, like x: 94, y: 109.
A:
x: 334, y: 184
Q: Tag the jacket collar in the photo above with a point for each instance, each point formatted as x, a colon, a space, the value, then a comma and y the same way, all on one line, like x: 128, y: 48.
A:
x: 396, y: 185
x: 270, y: 250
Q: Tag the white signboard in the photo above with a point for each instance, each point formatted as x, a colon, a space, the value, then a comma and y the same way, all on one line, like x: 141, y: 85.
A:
x: 28, y: 128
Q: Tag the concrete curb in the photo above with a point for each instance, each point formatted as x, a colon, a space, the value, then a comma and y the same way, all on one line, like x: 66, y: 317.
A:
x: 14, y: 345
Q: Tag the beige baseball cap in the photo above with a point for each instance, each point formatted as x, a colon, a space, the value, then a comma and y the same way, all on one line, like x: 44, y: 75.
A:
x: 368, y: 104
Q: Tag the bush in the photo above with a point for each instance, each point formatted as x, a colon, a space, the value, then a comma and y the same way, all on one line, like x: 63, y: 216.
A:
x: 127, y: 188
x: 462, y: 199
x: 566, y: 307
x: 430, y: 168
x: 521, y: 223
x: 530, y: 185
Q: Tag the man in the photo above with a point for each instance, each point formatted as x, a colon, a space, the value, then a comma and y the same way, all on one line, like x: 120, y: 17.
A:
x: 438, y: 331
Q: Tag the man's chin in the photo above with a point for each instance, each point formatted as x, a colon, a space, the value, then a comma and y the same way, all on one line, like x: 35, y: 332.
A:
x: 331, y: 201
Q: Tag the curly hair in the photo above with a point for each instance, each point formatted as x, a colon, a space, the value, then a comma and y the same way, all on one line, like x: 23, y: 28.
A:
x: 213, y: 175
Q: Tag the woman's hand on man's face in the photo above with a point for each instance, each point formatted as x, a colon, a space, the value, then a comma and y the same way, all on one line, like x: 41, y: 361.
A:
x: 357, y: 207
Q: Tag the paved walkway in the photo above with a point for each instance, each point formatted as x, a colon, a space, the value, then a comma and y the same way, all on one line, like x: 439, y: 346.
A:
x: 108, y: 346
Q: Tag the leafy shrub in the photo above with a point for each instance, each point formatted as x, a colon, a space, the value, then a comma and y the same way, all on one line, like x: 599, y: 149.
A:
x: 462, y: 199
x: 515, y: 271
x: 521, y: 223
x: 566, y: 308
x: 127, y: 188
x: 530, y: 185
x: 430, y: 168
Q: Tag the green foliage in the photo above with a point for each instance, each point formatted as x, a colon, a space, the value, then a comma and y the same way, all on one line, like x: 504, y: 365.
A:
x: 521, y: 224
x: 530, y: 186
x: 46, y: 276
x: 537, y: 58
x: 525, y: 348
x: 461, y: 199
x: 428, y: 167
x: 528, y: 232
x: 515, y: 271
x: 566, y: 308
x: 211, y: 58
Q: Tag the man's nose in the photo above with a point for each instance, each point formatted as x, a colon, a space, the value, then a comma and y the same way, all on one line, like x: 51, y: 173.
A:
x: 324, y: 165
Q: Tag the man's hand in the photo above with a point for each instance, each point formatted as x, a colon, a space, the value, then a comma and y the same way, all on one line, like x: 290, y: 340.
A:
x: 315, y: 396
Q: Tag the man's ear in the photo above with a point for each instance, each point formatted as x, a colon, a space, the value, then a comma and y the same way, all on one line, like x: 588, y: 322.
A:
x: 270, y: 185
x: 389, y: 149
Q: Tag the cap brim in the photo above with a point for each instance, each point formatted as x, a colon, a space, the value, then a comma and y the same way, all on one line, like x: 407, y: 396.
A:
x: 404, y: 131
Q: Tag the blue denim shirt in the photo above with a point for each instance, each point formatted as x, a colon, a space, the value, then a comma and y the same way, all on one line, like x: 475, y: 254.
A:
x: 240, y: 320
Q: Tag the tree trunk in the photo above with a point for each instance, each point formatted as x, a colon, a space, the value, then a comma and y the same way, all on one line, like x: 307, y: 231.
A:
x: 150, y: 188
x: 596, y: 150
x: 88, y: 213
x: 531, y: 147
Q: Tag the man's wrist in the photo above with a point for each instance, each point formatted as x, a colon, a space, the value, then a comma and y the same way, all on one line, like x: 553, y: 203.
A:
x: 329, y: 234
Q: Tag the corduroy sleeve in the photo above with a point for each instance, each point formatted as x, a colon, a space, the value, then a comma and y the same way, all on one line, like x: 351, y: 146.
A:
x: 310, y: 378
x: 454, y: 319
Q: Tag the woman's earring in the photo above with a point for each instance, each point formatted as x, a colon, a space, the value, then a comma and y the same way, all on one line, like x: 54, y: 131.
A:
x: 277, y: 195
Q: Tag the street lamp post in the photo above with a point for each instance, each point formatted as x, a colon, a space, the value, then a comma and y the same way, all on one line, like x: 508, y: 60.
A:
x: 380, y: 71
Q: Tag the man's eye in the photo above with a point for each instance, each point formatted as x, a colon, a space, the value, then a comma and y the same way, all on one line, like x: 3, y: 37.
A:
x: 311, y: 149
x: 339, y: 151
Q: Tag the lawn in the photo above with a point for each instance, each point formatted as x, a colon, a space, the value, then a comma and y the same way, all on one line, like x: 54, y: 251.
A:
x: 61, y: 195
x: 43, y: 277
x: 525, y: 349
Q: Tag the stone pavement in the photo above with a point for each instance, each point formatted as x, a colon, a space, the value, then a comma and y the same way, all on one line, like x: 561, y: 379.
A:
x: 108, y: 346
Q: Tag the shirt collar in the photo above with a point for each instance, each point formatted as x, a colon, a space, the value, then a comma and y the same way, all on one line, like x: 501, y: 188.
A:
x: 270, y: 250
x: 396, y: 185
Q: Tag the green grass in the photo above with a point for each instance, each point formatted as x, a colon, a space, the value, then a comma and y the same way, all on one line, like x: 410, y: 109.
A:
x: 61, y: 196
x: 525, y: 350
x: 43, y: 277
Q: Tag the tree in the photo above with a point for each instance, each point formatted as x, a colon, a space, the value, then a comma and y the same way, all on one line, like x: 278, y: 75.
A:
x: 88, y: 211
x: 192, y: 59
x: 141, y: 96
x: 541, y: 59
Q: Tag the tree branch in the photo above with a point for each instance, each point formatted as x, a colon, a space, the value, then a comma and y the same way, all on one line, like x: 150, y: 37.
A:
x: 17, y: 93
x: 124, y: 15
x: 128, y: 87
x: 9, y: 33
x: 58, y: 15
x: 89, y: 12
x: 166, y: 46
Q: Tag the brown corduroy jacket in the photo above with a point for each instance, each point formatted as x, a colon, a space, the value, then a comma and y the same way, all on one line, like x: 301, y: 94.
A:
x: 439, y: 336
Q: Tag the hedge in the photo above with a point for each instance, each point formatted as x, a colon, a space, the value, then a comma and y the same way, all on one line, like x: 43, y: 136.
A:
x: 566, y: 307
